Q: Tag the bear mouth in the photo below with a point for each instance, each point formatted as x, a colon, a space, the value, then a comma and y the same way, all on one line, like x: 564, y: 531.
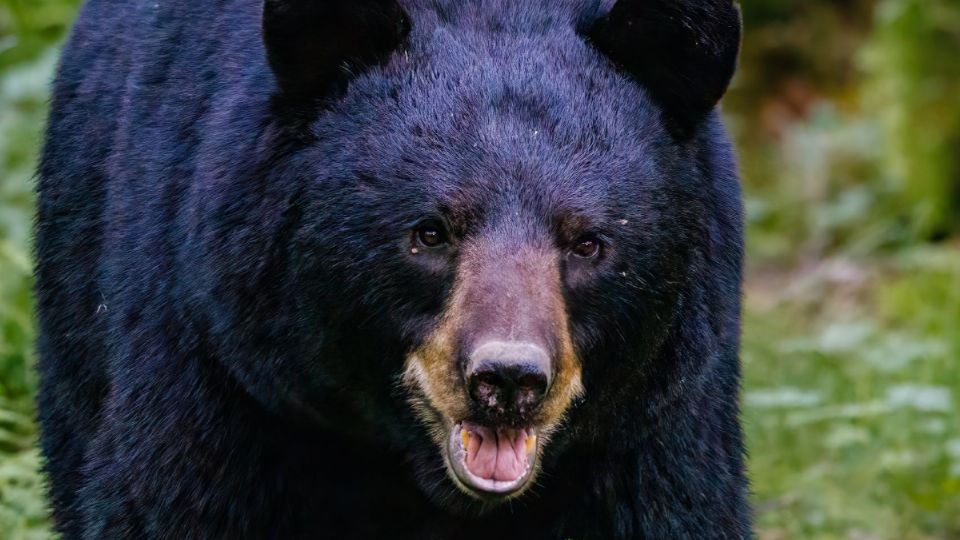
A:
x: 492, y: 462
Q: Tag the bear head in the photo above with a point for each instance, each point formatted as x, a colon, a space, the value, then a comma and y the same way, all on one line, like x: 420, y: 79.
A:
x: 481, y: 215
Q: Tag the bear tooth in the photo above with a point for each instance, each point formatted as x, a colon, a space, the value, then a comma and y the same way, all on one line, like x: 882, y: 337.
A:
x: 465, y: 438
x: 530, y: 442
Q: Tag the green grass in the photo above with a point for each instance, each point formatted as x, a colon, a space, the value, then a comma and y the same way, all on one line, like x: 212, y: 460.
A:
x: 851, y: 398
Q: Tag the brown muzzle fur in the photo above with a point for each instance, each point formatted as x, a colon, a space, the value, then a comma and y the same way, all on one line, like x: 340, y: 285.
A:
x: 505, y: 293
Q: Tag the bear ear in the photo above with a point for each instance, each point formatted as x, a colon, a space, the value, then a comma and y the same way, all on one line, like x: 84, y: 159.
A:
x: 314, y: 47
x: 683, y: 52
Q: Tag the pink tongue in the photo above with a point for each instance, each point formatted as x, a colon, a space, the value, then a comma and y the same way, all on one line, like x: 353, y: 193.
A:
x: 496, y: 454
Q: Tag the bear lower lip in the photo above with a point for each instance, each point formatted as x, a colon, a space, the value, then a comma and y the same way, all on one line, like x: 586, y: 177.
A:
x: 492, y: 460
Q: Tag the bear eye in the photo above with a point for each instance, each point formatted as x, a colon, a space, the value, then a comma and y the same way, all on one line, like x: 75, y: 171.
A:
x: 430, y: 235
x: 587, y: 247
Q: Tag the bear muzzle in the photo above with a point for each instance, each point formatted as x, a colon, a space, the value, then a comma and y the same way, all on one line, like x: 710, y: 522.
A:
x: 496, y: 376
x: 507, y: 381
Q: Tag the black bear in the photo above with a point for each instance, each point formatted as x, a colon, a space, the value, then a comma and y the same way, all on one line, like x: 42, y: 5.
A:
x: 392, y: 269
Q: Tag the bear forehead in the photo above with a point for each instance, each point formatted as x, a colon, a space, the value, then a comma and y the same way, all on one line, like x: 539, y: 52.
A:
x: 549, y: 100
x: 464, y: 115
x: 510, y: 66
x: 555, y: 82
x: 527, y: 16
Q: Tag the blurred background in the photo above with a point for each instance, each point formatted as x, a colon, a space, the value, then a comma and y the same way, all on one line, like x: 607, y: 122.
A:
x: 846, y: 115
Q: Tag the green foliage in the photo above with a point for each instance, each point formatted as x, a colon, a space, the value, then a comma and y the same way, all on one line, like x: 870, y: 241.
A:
x: 851, y: 411
x: 850, y: 133
x: 28, y: 29
x: 21, y: 98
x: 23, y: 513
x: 830, y: 192
x: 913, y: 63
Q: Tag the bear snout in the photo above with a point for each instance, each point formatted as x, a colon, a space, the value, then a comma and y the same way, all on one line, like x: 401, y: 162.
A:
x: 507, y: 381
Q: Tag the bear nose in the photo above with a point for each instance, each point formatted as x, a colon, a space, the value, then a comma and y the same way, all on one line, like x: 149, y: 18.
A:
x: 507, y: 381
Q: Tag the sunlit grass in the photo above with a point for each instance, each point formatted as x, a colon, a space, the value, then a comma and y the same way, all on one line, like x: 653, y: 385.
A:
x: 852, y: 395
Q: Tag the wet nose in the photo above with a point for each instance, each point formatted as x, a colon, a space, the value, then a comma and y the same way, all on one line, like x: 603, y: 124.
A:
x: 507, y: 381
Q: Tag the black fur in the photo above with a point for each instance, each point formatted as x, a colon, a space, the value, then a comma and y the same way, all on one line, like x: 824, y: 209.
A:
x: 684, y: 51
x: 226, y: 297
x: 313, y: 47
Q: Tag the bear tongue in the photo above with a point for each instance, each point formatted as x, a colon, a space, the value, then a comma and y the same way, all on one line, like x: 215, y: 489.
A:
x: 495, y: 454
